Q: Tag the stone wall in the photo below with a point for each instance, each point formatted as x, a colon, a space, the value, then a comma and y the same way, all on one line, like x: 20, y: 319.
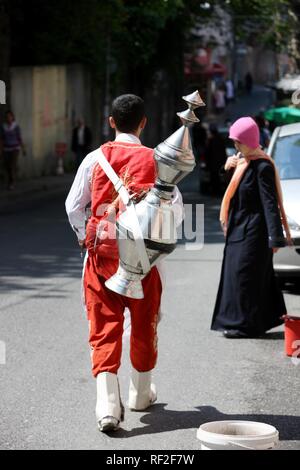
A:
x: 46, y: 102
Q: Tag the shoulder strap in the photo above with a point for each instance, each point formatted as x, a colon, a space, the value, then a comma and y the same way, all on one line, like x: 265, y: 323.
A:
x: 135, y: 225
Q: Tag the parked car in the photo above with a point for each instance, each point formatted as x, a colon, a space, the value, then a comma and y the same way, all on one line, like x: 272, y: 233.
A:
x: 284, y: 148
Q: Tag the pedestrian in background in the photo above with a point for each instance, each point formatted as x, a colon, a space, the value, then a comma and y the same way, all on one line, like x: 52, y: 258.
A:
x: 219, y: 97
x: 10, y: 145
x: 249, y: 83
x: 249, y: 301
x: 229, y: 91
x: 81, y: 141
x: 264, y: 133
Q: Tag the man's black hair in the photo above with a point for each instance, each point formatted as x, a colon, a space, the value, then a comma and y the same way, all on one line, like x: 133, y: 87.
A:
x: 128, y: 112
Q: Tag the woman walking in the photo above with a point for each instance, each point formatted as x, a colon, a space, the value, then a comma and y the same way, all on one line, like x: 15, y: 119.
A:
x: 11, y: 143
x: 249, y: 301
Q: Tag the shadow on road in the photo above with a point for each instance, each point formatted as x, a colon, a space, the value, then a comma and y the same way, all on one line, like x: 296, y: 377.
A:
x: 38, y: 245
x: 161, y: 420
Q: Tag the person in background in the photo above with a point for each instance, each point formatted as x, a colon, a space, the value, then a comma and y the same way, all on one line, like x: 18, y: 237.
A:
x: 81, y: 141
x: 215, y: 158
x: 10, y: 145
x: 249, y: 301
x: 229, y: 91
x: 219, y: 97
x: 264, y: 133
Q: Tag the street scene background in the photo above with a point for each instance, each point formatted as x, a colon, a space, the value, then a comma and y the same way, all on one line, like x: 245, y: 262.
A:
x: 243, y: 64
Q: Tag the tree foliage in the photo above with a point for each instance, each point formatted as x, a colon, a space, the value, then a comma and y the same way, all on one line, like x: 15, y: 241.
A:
x: 136, y: 37
x: 265, y: 22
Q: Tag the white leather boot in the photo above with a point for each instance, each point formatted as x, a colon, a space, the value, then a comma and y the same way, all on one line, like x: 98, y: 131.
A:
x: 142, y: 393
x: 109, y: 408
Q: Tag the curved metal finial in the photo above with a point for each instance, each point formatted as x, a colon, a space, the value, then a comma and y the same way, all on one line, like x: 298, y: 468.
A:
x: 193, y: 101
x: 188, y: 117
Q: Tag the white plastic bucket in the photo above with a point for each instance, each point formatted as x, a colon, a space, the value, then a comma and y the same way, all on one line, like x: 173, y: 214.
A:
x: 237, y: 435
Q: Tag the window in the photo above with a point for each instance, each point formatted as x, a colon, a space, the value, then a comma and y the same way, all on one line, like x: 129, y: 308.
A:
x: 287, y: 157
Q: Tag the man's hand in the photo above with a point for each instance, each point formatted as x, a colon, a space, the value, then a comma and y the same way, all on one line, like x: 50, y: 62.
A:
x: 275, y: 250
x: 231, y: 162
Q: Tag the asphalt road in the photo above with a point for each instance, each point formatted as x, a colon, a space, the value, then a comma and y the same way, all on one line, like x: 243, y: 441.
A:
x: 47, y: 393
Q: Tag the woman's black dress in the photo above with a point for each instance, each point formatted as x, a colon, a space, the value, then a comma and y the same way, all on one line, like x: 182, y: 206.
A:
x: 249, y: 299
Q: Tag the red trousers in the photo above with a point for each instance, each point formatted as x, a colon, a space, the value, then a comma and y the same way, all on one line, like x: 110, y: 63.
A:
x: 105, y: 311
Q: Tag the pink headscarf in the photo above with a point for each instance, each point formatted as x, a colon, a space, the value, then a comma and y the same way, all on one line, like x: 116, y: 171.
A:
x: 246, y: 131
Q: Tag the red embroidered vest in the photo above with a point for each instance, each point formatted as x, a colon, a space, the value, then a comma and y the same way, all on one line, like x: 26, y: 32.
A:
x: 135, y: 165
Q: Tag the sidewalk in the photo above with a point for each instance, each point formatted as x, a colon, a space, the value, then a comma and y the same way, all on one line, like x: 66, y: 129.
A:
x: 34, y: 191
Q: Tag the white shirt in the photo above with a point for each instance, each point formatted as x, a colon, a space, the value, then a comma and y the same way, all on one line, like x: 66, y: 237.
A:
x: 80, y: 194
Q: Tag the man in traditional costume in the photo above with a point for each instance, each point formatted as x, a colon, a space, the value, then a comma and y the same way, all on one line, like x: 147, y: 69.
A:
x: 135, y: 165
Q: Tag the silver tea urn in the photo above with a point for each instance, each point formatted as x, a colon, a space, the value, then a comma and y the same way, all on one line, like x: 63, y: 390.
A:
x: 174, y: 160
